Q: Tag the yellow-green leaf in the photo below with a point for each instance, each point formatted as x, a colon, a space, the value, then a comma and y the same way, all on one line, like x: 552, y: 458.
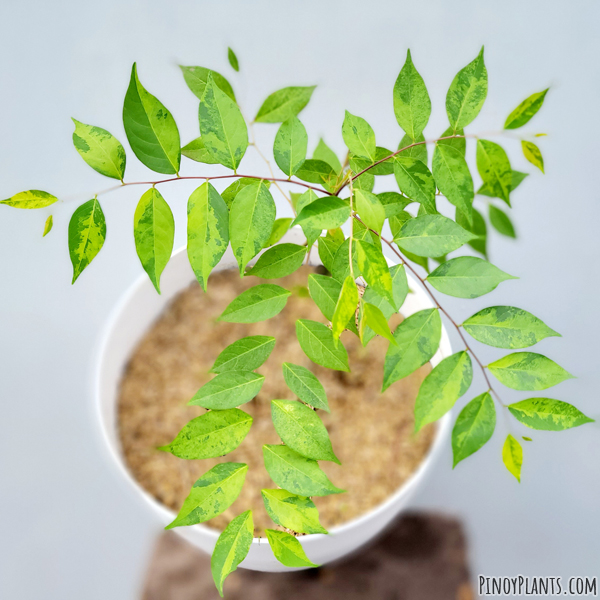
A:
x: 512, y: 456
x: 30, y: 199
x: 283, y: 104
x: 87, y: 232
x: 532, y: 154
x: 291, y: 511
x: 527, y: 109
x: 100, y: 149
x: 344, y: 308
x: 474, y: 427
x: 233, y: 60
x: 287, y: 549
x: 48, y: 226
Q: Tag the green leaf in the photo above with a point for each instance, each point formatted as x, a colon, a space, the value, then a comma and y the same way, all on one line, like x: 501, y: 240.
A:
x: 415, y: 181
x: 30, y: 199
x: 418, y: 338
x: 324, y: 213
x: 300, y: 428
x: 458, y: 143
x: 512, y: 456
x: 412, y: 106
x: 547, y: 414
x: 327, y: 249
x: 151, y: 129
x: 290, y: 146
x: 397, y: 222
x: 325, y: 292
x: 233, y: 190
x: 393, y: 203
x: 440, y: 390
x: 432, y: 235
x: 259, y: 303
x: 477, y: 228
x: 399, y: 289
x: 324, y: 153
x: 370, y: 209
x: 345, y: 308
x: 374, y: 269
x: 306, y: 386
x: 372, y: 317
x: 516, y: 179
x: 196, y: 150
x: 532, y: 154
x: 251, y: 219
x: 100, y: 149
x: 467, y: 93
x: 233, y: 61
x: 154, y: 232
x: 467, y: 277
x: 213, y: 434
x: 280, y: 228
x: 213, y: 493
x: 228, y: 390
x: 501, y: 222
x: 245, y: 354
x: 87, y: 232
x: 222, y: 126
x: 231, y: 548
x: 283, y: 104
x: 197, y: 78
x: 414, y: 148
x: 528, y: 371
x: 494, y: 167
x: 47, y: 226
x: 316, y: 340
x: 296, y: 473
x: 207, y: 231
x: 523, y: 113
x: 278, y: 261
x: 358, y: 163
x: 358, y: 136
x: 474, y: 427
x: 287, y: 549
x: 341, y: 262
x: 365, y: 182
x: 311, y: 232
x: 452, y: 176
x: 291, y: 511
x: 317, y: 171
x: 507, y: 327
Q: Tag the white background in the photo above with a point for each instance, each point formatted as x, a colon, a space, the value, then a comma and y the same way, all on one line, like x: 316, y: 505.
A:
x: 68, y: 528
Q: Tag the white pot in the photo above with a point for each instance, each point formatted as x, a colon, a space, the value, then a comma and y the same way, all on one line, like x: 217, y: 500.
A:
x: 130, y: 320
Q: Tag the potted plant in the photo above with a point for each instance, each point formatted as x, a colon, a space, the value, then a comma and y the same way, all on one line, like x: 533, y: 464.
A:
x: 338, y: 212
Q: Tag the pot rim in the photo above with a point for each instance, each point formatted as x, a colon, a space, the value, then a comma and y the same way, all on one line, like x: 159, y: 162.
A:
x: 115, y: 450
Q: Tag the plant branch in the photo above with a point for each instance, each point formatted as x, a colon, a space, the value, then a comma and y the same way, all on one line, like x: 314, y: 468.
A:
x: 441, y: 309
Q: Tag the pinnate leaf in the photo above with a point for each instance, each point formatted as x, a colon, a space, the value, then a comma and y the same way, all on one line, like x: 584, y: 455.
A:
x: 297, y: 474
x: 231, y: 548
x: 228, y: 390
x: 291, y: 511
x: 527, y: 109
x: 230, y: 192
x: 151, y: 129
x: 440, y: 390
x: 283, y: 104
x: 412, y: 106
x: 289, y: 148
x: 528, y: 371
x: 507, y: 327
x: 251, y: 219
x: 30, y: 199
x: 415, y: 148
x: 87, y: 232
x: 494, y: 168
x: 100, y: 149
x: 300, y: 428
x: 287, y: 549
x: 196, y: 150
x: 371, y: 316
x: 345, y: 307
x: 370, y: 209
x: 306, y: 386
x: 326, y: 154
x: 259, y: 303
x: 467, y: 277
x: 245, y: 354
x: 375, y: 270
x: 316, y: 340
x: 548, y: 414
x: 415, y: 181
x: 432, y: 235
x: 222, y: 126
x: 210, y: 435
x: 196, y: 79
x: 533, y: 155
x: 207, y: 231
x: 418, y: 338
x: 278, y: 261
x: 512, y: 456
x: 467, y: 93
x: 473, y: 428
x: 213, y: 493
x: 280, y: 228
x: 324, y: 213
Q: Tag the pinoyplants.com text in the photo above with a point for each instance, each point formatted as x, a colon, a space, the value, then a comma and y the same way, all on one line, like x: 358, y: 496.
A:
x: 521, y: 585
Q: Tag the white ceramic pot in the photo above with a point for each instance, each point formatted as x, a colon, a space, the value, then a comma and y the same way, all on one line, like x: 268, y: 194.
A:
x: 130, y: 320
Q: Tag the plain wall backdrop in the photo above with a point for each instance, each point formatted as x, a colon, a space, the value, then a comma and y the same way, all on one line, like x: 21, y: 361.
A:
x: 68, y: 528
